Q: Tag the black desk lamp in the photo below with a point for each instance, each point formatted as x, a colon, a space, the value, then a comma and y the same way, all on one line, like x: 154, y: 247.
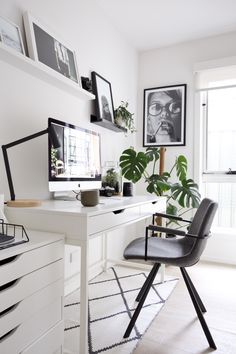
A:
x: 55, y: 142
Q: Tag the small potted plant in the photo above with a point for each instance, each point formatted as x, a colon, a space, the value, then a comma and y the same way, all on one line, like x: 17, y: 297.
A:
x: 124, y: 118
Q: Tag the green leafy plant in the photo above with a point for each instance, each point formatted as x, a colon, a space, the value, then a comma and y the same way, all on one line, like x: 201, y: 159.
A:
x: 143, y: 165
x: 124, y: 118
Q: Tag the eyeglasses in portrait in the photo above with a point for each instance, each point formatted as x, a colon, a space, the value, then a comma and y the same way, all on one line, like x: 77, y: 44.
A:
x: 164, y: 116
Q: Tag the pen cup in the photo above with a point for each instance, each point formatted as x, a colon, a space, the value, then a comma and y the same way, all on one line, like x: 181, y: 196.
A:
x: 127, y: 189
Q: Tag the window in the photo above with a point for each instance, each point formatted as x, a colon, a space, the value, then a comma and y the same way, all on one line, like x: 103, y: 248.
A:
x: 218, y: 115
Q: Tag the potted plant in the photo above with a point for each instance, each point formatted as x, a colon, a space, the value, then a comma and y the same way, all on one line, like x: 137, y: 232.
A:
x: 180, y: 195
x: 124, y: 118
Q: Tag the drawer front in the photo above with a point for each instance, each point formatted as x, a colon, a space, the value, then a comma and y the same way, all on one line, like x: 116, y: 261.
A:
x: 152, y: 208
x: 26, y: 308
x: 16, y: 267
x: 49, y: 343
x: 25, y: 334
x: 29, y: 284
x: 105, y: 222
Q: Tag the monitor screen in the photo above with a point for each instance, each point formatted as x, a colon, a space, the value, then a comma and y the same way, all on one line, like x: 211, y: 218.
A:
x: 76, y: 163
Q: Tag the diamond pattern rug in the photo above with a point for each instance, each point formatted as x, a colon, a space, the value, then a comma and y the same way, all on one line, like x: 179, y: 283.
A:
x: 111, y: 304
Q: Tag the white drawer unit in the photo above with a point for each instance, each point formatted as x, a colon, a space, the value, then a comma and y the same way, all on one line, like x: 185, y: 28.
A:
x: 31, y: 295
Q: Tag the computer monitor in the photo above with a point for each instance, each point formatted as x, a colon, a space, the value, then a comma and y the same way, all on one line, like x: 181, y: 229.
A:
x: 76, y: 164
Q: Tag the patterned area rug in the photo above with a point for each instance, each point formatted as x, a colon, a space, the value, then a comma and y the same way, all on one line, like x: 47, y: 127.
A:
x: 111, y: 302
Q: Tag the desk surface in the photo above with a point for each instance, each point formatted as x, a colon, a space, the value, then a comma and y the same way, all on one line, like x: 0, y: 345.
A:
x: 106, y: 205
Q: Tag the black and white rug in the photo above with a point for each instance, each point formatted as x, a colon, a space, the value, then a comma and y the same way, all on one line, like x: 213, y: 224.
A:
x: 111, y: 303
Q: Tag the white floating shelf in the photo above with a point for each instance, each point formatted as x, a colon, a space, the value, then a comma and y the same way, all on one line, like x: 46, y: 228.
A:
x: 42, y: 72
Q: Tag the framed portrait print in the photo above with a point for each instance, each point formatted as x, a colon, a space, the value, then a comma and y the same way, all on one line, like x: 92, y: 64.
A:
x: 164, y: 116
x: 104, y: 100
x: 10, y: 35
x: 48, y: 49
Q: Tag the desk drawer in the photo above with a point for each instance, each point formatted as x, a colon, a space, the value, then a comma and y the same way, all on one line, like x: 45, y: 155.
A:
x: 23, y: 335
x: 152, y: 208
x: 13, y: 292
x: 15, y: 267
x: 105, y: 222
x: 49, y: 343
x: 23, y: 310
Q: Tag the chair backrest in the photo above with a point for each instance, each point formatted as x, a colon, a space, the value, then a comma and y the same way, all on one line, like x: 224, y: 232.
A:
x: 200, y: 227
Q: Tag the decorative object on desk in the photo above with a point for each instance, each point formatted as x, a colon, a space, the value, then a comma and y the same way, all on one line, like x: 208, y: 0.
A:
x: 123, y: 117
x: 181, y: 195
x: 10, y: 35
x: 111, y: 176
x: 46, y: 48
x: 164, y: 116
x: 12, y: 235
x: 111, y: 299
x: 55, y: 142
x: 107, y: 191
x: 86, y: 83
x: 127, y: 189
x: 88, y: 198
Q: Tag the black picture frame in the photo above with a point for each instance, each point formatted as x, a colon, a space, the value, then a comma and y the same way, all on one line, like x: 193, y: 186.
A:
x: 164, y: 116
x: 46, y: 47
x: 104, y: 100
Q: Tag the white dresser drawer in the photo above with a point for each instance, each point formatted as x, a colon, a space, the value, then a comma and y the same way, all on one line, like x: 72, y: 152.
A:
x: 49, y: 343
x: 23, y: 310
x: 105, y: 222
x: 15, y: 267
x: 25, y: 334
x: 12, y: 293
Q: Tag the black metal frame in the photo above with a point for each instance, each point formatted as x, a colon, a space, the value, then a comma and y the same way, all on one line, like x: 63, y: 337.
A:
x: 8, y: 233
x: 196, y: 300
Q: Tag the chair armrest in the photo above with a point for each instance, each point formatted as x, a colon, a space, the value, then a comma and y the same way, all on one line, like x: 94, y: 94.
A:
x: 166, y: 230
x: 174, y: 217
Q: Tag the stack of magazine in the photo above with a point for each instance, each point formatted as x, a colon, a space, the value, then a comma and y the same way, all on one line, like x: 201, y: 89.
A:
x: 11, y: 234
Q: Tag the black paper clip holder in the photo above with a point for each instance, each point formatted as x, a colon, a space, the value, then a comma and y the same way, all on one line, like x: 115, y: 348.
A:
x: 12, y: 235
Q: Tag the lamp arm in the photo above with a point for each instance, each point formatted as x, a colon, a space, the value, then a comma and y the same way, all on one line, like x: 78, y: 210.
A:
x: 6, y: 161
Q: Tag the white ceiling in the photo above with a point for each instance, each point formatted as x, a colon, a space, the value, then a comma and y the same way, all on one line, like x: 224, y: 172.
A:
x: 149, y: 24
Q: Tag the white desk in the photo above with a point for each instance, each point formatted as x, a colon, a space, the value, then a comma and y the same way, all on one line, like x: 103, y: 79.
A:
x: 79, y: 224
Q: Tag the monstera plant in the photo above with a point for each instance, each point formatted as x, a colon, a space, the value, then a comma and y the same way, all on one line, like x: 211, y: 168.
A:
x: 181, y: 195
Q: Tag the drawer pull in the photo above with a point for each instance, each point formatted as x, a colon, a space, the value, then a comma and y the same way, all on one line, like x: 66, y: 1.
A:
x: 8, y: 334
x: 8, y: 260
x: 9, y: 309
x: 154, y: 202
x: 8, y: 285
x: 118, y: 211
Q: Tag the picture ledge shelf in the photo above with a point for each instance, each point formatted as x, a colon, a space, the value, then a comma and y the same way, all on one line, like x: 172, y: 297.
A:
x: 42, y: 72
x: 107, y: 124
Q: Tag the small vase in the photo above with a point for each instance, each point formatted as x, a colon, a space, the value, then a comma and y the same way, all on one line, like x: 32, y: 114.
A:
x: 111, y: 176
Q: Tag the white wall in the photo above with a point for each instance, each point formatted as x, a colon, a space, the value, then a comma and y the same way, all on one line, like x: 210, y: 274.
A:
x: 26, y: 102
x: 174, y: 65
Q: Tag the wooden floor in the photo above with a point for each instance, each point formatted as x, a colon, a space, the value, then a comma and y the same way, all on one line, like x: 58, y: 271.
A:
x: 176, y: 329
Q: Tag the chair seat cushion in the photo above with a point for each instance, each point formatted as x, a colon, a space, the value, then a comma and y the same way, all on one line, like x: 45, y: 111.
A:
x: 170, y: 251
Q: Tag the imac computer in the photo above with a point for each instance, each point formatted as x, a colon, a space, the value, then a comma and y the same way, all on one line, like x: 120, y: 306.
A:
x: 76, y: 163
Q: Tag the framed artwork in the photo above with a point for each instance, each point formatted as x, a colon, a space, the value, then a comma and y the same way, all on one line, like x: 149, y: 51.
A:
x: 48, y: 49
x: 104, y: 100
x: 10, y: 35
x: 164, y: 116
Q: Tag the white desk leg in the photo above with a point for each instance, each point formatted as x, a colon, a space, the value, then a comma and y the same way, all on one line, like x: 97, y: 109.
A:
x: 84, y: 299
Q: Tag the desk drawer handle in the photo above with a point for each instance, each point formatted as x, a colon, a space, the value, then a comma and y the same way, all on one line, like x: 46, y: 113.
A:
x: 118, y: 211
x: 8, y: 334
x: 154, y: 202
x: 9, y: 309
x: 8, y: 260
x: 8, y: 285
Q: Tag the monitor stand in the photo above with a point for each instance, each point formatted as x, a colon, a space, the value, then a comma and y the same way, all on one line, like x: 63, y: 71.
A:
x: 63, y: 196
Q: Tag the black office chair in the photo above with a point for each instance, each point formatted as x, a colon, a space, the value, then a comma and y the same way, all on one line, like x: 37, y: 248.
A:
x: 181, y: 252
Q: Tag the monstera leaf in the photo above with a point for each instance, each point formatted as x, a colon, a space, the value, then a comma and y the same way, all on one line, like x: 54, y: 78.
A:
x: 158, y: 184
x: 152, y: 154
x: 186, y: 193
x: 181, y: 167
x: 133, y: 164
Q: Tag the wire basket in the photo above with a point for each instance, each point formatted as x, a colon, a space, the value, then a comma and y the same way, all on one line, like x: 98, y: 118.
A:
x: 12, y: 234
